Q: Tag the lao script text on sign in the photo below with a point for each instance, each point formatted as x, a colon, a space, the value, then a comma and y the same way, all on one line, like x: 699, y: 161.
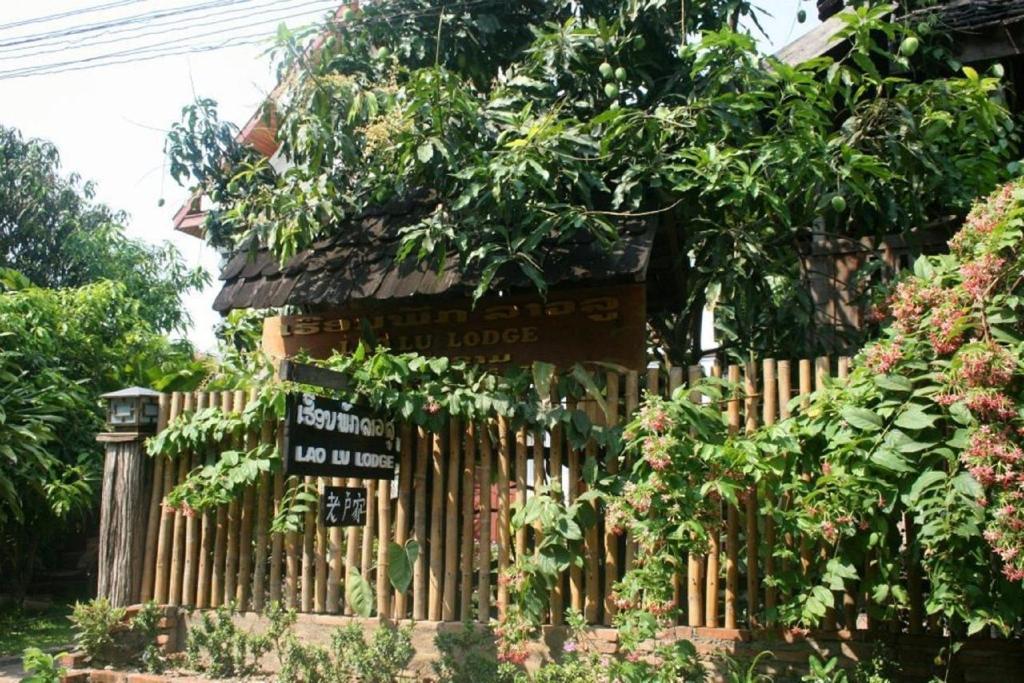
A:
x: 324, y: 437
x: 343, y: 506
x: 593, y: 324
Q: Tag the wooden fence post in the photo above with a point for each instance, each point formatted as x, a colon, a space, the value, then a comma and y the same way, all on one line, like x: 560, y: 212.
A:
x: 125, y: 502
x: 155, y: 506
x: 484, y: 559
x: 405, y: 475
x: 449, y: 599
x: 466, y: 549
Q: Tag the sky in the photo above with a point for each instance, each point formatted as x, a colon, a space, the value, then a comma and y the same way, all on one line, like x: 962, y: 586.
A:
x: 109, y: 122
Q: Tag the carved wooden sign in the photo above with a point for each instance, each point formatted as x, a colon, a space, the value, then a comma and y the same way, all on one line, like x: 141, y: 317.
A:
x: 325, y: 437
x: 571, y: 326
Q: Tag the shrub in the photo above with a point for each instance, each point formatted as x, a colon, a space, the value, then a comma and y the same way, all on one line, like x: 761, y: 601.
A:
x: 42, y: 667
x: 350, y: 659
x: 102, y: 632
x: 216, y: 646
x: 468, y: 656
x: 95, y: 623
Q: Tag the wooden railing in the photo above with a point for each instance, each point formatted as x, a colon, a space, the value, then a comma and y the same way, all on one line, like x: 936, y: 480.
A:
x: 450, y: 486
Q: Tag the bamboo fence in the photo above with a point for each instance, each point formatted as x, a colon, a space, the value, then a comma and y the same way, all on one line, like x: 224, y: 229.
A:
x: 455, y: 493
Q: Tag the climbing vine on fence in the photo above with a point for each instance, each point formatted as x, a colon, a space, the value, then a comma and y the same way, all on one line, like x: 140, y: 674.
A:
x: 915, y: 460
x: 423, y: 391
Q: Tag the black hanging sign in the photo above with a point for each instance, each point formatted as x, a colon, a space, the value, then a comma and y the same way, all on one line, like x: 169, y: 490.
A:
x: 325, y: 437
x: 343, y: 506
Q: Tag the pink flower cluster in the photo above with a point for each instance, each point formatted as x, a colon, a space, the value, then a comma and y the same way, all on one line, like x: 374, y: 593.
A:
x: 990, y: 405
x: 979, y: 275
x: 910, y: 302
x: 948, y: 322
x: 657, y: 452
x: 986, y: 365
x: 882, y: 358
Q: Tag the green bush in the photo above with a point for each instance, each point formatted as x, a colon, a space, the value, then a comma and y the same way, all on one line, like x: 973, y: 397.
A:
x: 349, y: 659
x: 42, y: 667
x: 216, y: 646
x: 102, y: 632
x: 468, y: 656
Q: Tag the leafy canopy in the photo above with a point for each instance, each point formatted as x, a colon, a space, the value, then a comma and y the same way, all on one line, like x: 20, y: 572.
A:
x: 54, y: 233
x: 534, y: 121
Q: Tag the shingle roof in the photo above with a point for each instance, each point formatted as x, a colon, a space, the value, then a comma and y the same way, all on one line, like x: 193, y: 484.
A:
x: 971, y: 15
x: 958, y: 16
x: 361, y: 263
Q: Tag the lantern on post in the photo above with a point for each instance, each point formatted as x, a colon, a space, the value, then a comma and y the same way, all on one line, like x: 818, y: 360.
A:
x: 134, y: 409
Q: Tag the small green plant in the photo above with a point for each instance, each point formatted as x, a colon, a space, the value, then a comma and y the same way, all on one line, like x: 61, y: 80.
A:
x: 42, y: 667
x: 467, y: 656
x: 103, y: 633
x: 95, y: 623
x: 826, y: 671
x: 379, y: 661
x: 744, y: 670
x: 217, y: 646
x: 349, y: 659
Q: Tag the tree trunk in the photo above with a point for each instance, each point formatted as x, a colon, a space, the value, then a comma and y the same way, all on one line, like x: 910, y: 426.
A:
x: 122, y: 518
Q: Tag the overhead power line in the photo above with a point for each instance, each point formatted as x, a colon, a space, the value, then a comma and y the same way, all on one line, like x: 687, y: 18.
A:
x: 70, y: 13
x: 121, y: 21
x: 188, y: 44
x: 177, y: 26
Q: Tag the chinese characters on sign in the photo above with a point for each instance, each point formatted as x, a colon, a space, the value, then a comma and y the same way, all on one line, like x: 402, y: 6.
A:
x: 343, y: 506
x: 325, y: 437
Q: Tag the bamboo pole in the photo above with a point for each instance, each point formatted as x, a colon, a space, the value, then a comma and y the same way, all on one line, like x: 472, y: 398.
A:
x: 822, y: 370
x: 419, y: 592
x: 307, y: 584
x: 750, y: 504
x: 504, y: 513
x: 466, y: 550
x: 402, y: 509
x: 520, y: 489
x: 165, y: 538
x: 291, y: 581
x: 575, y: 572
x: 178, y: 549
x: 259, y: 576
x: 592, y: 544
x: 208, y: 532
x: 352, y: 551
x: 217, y: 579
x: 714, y: 554
x: 675, y: 380
x: 484, y: 557
x: 320, y: 592
x: 449, y: 600
x: 193, y: 527
x: 538, y: 487
x: 436, y: 531
x: 632, y: 401
x: 248, y: 511
x: 732, y: 517
x: 383, y: 543
x: 694, y: 562
x: 806, y: 386
x: 785, y: 376
x: 336, y: 563
x: 769, y: 384
x: 276, y: 542
x: 557, y: 600
x: 155, y: 508
x: 234, y: 522
x: 611, y: 539
x: 370, y: 530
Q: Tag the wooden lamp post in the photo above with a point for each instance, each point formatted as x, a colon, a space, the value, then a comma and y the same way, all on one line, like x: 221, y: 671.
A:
x: 131, y: 416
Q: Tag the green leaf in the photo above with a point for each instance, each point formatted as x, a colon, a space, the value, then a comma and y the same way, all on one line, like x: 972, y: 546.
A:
x: 915, y: 418
x: 897, y: 383
x: 400, y: 565
x: 862, y: 418
x: 542, y: 374
x: 585, y: 379
x: 890, y: 460
x: 358, y: 594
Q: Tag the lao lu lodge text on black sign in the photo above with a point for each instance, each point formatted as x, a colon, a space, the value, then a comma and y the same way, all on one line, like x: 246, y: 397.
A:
x: 325, y: 437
